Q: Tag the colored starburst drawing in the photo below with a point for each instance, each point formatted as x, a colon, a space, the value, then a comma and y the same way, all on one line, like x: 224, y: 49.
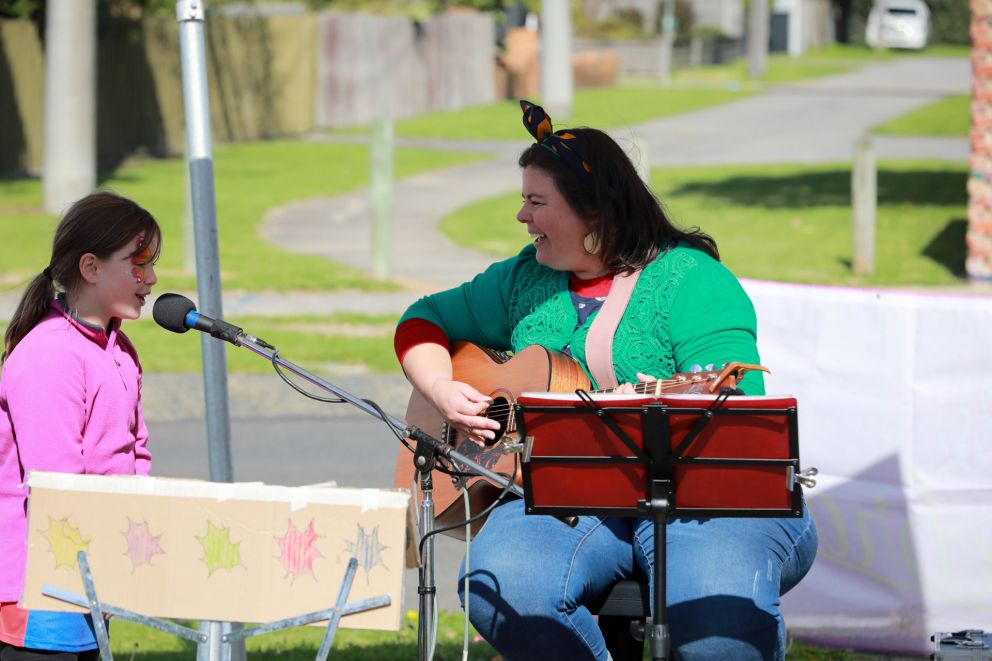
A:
x: 298, y: 550
x: 142, y: 545
x: 367, y: 550
x: 65, y: 541
x: 219, y: 552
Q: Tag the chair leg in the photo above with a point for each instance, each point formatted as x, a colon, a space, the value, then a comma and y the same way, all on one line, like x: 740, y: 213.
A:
x: 622, y: 646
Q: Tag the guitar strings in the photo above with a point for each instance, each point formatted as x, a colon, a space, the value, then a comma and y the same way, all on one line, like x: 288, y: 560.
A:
x: 639, y: 389
x: 647, y: 388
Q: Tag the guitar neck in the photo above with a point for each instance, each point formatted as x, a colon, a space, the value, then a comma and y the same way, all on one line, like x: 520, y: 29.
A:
x: 676, y: 384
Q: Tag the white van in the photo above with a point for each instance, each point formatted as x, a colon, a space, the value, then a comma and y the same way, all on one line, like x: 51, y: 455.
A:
x: 898, y: 24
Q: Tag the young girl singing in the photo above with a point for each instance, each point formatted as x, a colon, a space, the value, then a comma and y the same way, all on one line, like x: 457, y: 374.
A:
x: 70, y: 394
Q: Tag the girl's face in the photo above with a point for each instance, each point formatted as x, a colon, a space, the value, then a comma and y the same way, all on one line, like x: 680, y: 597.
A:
x: 122, y: 281
x: 557, y: 230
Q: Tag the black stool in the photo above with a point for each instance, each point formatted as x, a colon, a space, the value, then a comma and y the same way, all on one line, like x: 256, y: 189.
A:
x: 627, y: 602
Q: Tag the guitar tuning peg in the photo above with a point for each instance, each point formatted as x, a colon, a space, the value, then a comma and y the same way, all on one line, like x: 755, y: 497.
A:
x: 805, y: 477
x: 694, y: 368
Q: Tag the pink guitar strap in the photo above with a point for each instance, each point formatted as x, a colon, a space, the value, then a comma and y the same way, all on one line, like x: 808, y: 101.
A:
x: 599, y: 342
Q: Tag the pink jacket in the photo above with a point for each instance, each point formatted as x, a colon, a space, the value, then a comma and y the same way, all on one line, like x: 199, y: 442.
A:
x: 70, y: 402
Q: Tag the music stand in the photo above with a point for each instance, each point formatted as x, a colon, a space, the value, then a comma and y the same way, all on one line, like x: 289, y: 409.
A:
x: 660, y: 456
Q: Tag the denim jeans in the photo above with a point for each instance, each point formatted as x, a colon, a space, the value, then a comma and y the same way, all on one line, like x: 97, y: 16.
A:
x: 532, y: 576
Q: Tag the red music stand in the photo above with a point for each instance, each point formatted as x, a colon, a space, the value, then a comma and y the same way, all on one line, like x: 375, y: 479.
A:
x: 659, y: 456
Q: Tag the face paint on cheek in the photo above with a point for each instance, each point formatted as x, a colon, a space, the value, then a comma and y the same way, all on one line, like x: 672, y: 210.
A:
x: 140, y: 259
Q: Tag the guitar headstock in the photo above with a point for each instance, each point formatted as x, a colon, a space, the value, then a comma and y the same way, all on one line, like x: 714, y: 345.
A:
x: 731, y: 375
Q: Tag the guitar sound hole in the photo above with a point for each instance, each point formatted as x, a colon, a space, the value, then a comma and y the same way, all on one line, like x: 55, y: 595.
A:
x: 499, y: 411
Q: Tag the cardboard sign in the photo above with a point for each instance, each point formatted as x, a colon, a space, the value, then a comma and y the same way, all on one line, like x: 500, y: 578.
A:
x: 243, y: 552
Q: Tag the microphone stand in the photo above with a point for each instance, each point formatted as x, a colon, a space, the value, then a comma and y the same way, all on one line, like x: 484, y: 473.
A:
x: 425, y: 456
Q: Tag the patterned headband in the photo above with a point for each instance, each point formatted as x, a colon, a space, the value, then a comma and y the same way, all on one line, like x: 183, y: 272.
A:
x: 564, y: 144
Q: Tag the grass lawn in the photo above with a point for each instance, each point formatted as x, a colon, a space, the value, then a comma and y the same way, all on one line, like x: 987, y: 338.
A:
x: 788, y: 223
x: 130, y: 640
x: 950, y: 116
x: 323, y: 345
x: 250, y: 179
x: 835, y: 59
x: 782, y: 68
x: 300, y: 644
x: 333, y: 344
x: 603, y: 107
x: 635, y: 101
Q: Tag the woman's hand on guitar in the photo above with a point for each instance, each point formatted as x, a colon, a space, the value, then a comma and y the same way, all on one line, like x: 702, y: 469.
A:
x: 462, y: 406
x: 628, y: 388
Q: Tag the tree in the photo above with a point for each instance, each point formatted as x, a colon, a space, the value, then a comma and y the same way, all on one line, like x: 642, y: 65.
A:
x: 69, y: 169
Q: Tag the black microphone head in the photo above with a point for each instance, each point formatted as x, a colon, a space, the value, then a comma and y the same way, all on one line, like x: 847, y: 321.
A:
x: 170, y: 312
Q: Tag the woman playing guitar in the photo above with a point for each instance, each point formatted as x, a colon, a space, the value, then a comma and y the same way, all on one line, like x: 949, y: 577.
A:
x: 593, y: 223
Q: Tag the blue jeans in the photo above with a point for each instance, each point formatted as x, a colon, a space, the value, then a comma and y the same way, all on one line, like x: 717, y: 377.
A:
x: 532, y: 577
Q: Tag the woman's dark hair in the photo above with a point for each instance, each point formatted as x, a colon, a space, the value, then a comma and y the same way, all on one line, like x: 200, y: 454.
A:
x: 621, y: 209
x: 100, y: 223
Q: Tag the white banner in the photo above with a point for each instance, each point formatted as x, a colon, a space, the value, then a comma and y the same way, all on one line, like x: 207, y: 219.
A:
x: 895, y: 410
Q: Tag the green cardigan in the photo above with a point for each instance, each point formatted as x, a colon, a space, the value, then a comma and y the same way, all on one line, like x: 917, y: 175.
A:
x: 687, y: 309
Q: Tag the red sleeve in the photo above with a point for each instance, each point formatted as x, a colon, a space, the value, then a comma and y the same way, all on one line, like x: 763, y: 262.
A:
x: 416, y: 331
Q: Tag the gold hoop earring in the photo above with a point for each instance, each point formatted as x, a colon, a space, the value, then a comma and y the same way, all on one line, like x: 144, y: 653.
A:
x: 591, y: 243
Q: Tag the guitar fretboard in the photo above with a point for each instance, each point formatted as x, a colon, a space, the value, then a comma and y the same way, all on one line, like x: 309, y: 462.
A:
x: 662, y: 386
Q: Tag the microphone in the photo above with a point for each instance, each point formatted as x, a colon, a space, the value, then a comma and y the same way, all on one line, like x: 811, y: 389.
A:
x: 178, y: 314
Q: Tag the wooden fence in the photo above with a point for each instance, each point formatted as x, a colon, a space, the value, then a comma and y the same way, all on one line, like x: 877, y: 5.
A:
x: 376, y: 67
x: 269, y: 76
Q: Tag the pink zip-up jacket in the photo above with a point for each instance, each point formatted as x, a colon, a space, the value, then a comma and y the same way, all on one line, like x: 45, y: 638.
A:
x: 70, y: 402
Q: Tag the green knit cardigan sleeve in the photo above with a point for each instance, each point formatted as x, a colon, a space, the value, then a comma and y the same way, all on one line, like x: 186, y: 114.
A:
x: 712, y: 322
x: 477, y: 311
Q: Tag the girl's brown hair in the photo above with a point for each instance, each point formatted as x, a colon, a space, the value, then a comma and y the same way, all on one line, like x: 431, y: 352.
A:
x: 630, y: 221
x: 100, y: 223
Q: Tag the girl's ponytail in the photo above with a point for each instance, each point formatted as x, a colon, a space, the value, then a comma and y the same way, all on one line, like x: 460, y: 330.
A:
x: 34, y: 305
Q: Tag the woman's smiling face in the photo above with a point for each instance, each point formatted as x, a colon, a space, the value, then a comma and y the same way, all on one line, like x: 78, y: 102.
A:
x: 558, y: 231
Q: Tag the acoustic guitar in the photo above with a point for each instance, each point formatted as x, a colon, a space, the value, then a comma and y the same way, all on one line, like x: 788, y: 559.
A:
x: 502, y: 378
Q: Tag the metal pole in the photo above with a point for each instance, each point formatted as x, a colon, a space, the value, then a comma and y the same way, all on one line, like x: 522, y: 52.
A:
x: 199, y: 155
x: 797, y: 36
x: 864, y: 200
x: 381, y: 191
x: 201, y: 185
x: 667, y: 43
x: 556, y: 58
x: 757, y: 38
x: 428, y: 599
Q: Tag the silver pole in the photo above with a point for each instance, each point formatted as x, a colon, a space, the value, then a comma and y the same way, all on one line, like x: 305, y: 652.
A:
x: 199, y: 155
x: 201, y: 185
x: 556, y: 58
x: 428, y: 601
